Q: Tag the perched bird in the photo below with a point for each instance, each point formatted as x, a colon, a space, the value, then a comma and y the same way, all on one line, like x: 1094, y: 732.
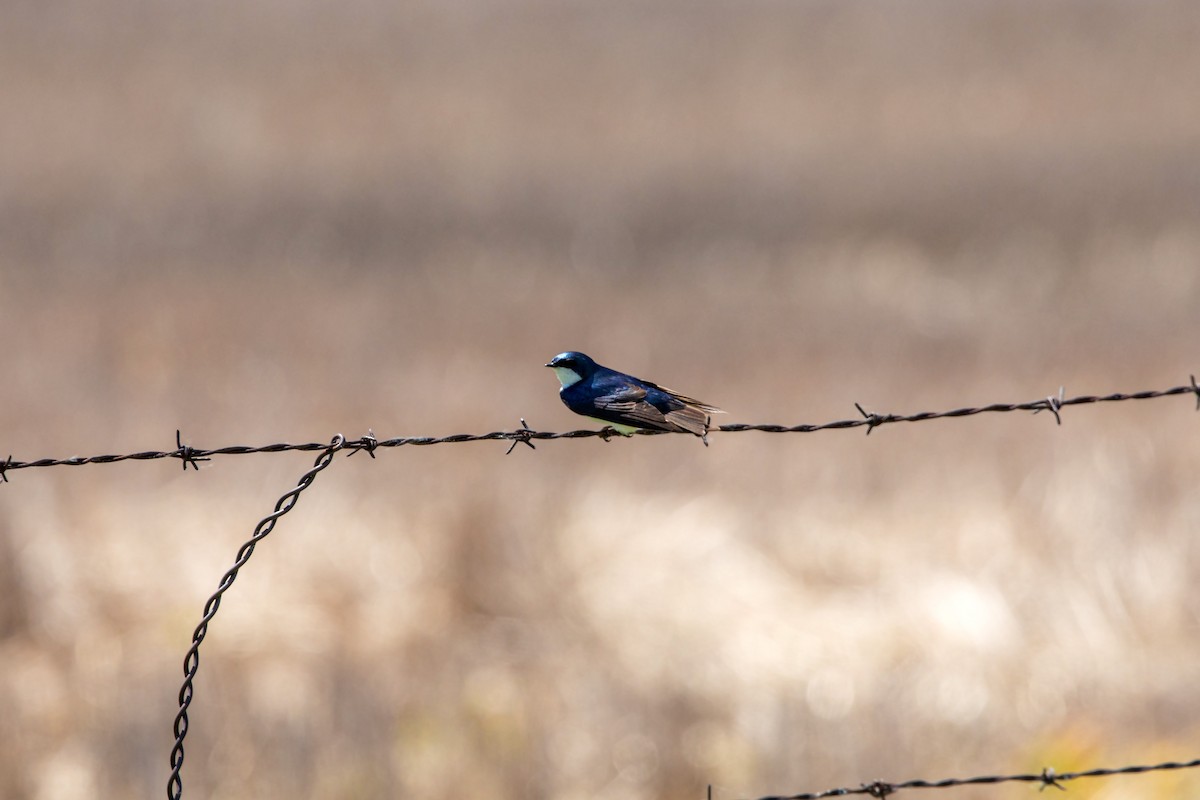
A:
x: 626, y: 403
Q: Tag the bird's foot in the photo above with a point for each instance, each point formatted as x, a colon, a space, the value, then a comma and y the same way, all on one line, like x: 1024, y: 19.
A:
x: 608, y: 431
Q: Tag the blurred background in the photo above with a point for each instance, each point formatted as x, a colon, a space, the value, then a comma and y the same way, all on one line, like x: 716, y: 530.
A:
x: 276, y: 221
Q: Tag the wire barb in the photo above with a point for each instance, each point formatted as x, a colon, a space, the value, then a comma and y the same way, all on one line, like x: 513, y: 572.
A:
x: 1050, y: 778
x: 187, y: 454
x: 1195, y: 390
x: 522, y: 436
x: 879, y: 789
x: 367, y: 443
x: 4, y: 469
x: 873, y: 421
x: 1052, y: 404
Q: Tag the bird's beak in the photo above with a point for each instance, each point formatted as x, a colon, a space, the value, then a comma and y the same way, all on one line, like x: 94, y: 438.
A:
x: 547, y: 365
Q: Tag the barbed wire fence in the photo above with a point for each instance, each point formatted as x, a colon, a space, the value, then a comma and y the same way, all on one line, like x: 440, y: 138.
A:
x: 1046, y: 778
x: 525, y: 435
x: 188, y: 455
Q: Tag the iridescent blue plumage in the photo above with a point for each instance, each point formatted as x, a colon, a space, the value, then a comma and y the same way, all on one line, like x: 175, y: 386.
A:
x: 624, y: 402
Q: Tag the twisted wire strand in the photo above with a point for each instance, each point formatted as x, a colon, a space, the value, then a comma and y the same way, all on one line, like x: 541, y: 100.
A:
x: 188, y: 455
x: 191, y: 661
x: 1047, y: 777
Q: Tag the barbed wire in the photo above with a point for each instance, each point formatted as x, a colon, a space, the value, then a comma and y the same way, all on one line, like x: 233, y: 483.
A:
x: 189, y: 455
x: 1047, y: 777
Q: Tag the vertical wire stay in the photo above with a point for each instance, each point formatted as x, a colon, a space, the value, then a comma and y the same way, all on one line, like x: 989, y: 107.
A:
x: 191, y: 661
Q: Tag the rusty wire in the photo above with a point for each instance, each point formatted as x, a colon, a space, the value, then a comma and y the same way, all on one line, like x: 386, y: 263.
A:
x: 525, y: 435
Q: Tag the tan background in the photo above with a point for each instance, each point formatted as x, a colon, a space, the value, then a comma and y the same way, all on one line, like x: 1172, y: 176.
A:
x: 277, y: 221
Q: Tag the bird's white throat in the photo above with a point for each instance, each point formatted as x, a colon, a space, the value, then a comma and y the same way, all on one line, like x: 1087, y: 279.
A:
x: 566, y: 376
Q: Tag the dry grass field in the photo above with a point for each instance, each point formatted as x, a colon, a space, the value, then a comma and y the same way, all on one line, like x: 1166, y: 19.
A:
x: 271, y: 221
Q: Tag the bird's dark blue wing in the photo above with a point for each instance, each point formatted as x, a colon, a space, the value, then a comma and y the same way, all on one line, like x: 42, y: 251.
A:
x: 622, y: 399
x: 646, y: 405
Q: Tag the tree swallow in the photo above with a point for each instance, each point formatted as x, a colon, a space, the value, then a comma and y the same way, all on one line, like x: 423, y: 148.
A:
x: 625, y: 403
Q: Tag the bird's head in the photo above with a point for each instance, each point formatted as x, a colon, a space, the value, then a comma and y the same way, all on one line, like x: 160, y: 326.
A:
x: 572, y: 367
